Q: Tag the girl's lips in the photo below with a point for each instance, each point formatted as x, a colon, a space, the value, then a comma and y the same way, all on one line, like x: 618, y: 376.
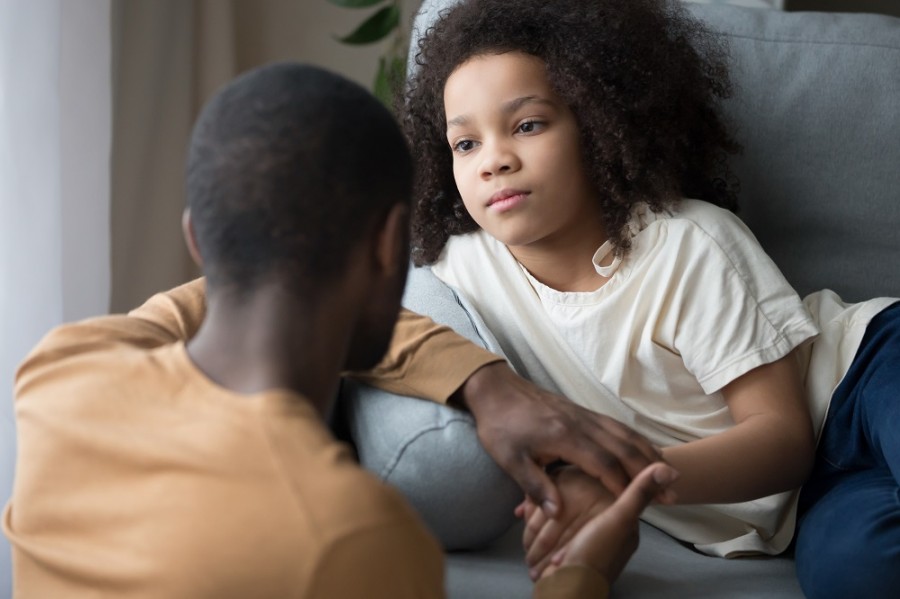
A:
x: 507, y: 199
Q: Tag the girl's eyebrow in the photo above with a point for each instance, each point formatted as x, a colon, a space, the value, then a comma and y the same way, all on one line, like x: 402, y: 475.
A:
x: 507, y: 108
x: 514, y: 105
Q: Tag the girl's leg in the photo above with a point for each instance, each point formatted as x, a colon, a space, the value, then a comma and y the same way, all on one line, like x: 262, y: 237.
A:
x: 849, y: 525
x: 848, y: 542
x: 863, y: 426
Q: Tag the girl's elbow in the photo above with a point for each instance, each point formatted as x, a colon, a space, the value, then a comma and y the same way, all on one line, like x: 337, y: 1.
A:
x: 803, y: 453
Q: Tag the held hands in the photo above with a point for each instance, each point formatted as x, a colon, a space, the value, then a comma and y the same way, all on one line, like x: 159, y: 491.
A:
x: 524, y: 428
x: 606, y: 535
x: 584, y: 497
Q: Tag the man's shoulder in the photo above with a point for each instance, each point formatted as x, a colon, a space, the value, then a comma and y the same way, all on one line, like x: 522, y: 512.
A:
x: 98, y: 333
x: 94, y: 346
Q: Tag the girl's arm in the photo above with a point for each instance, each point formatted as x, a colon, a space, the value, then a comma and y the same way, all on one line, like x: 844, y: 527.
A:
x: 770, y: 448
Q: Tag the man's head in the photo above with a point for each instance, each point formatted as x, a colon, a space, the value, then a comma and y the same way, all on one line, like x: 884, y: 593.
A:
x: 288, y: 166
x: 291, y: 170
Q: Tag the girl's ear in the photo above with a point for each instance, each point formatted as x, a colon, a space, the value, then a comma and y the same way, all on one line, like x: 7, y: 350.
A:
x: 392, y: 241
x: 190, y: 238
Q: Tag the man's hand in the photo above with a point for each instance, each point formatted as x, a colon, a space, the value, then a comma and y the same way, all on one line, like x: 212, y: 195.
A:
x: 524, y: 428
x: 608, y: 540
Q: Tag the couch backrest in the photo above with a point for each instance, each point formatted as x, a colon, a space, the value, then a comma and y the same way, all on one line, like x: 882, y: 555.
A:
x: 817, y: 108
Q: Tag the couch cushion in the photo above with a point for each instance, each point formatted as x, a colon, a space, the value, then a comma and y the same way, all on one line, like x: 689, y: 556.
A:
x: 661, y: 568
x: 817, y: 108
x: 430, y: 452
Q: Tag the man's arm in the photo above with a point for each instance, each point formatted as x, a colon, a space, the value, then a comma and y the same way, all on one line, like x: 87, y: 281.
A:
x: 525, y: 428
x: 426, y: 360
x: 522, y: 426
x: 180, y: 311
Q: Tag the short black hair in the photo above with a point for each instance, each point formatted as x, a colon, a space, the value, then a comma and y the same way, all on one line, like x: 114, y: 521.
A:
x: 643, y: 78
x: 288, y: 165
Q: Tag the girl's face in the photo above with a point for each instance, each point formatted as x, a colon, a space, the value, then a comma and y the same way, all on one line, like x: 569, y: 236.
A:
x: 516, y: 152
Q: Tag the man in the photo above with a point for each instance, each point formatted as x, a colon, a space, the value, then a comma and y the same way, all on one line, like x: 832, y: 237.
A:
x: 154, y: 467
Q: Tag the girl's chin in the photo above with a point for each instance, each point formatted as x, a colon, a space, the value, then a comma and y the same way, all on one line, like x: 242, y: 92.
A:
x: 508, y: 233
x: 513, y: 241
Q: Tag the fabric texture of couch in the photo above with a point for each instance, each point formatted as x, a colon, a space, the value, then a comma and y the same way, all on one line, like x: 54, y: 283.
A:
x: 817, y: 108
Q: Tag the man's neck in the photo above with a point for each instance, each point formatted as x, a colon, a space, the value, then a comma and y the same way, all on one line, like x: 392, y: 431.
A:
x: 272, y: 340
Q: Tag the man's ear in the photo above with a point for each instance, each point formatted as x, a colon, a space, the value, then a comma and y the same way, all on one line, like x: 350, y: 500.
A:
x: 392, y: 240
x: 190, y: 238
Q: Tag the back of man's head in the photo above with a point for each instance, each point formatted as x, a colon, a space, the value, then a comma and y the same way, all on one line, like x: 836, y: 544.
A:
x: 289, y: 166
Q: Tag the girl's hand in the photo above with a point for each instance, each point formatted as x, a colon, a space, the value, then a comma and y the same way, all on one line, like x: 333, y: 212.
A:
x: 608, y: 540
x: 583, y: 497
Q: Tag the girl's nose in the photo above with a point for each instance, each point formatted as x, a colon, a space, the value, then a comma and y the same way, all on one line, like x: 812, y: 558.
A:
x: 497, y: 160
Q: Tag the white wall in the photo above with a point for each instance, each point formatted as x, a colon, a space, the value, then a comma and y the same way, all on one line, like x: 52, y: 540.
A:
x: 55, y: 127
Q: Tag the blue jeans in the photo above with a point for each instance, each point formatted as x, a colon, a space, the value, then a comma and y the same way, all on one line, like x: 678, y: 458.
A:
x: 848, y: 530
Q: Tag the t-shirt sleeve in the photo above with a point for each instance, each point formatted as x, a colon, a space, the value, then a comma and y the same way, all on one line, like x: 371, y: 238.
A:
x: 735, y: 310
x: 426, y: 360
x: 572, y: 582
x: 164, y: 319
x: 177, y: 312
x: 396, y: 560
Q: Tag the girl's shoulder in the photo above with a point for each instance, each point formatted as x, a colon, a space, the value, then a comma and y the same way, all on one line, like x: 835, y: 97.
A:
x: 471, y: 254
x: 701, y: 217
x: 706, y: 228
x: 469, y: 245
x: 696, y: 236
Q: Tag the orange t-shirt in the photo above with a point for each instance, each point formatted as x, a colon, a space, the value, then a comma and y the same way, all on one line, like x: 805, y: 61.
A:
x: 139, y: 477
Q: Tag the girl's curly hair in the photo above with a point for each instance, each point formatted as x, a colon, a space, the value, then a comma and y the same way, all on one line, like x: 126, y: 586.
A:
x: 643, y: 79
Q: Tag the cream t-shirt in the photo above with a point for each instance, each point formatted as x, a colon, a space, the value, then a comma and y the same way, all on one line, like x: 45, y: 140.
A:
x: 695, y: 304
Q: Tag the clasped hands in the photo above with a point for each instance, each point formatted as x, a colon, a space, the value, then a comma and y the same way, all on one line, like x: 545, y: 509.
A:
x: 594, y: 528
x: 586, y: 513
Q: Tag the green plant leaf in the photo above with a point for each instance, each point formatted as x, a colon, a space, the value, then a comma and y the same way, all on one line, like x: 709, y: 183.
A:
x: 381, y: 86
x: 355, y: 3
x: 390, y: 76
x: 375, y: 28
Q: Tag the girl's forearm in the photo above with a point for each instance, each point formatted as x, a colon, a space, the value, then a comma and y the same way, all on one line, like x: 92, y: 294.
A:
x: 760, y: 456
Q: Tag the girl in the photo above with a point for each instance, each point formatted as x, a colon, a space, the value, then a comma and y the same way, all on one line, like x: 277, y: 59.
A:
x: 558, y: 141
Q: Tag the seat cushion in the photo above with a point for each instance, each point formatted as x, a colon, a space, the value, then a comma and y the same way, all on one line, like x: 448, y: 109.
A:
x: 662, y: 567
x: 431, y: 452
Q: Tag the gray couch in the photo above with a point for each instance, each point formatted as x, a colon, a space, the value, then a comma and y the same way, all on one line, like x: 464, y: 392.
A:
x: 817, y: 108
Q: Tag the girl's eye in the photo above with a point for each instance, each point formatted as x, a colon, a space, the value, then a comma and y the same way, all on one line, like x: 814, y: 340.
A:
x: 530, y: 127
x: 463, y: 146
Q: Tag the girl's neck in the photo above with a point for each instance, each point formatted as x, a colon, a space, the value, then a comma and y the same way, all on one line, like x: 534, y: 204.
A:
x: 563, y: 262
